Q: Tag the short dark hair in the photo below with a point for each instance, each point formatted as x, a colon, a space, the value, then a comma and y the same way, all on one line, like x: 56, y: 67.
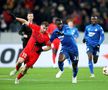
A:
x: 45, y: 23
x: 58, y: 21
x: 30, y: 13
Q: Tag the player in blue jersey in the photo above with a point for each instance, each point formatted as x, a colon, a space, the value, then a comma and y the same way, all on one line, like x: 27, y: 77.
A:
x: 74, y: 32
x: 69, y: 48
x: 94, y: 36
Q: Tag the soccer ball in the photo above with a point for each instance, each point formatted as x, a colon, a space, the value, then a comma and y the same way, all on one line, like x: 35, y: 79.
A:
x: 105, y: 70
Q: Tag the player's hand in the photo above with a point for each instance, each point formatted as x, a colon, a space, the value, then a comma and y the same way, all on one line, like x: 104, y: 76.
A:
x: 84, y: 40
x: 97, y: 47
x: 59, y: 33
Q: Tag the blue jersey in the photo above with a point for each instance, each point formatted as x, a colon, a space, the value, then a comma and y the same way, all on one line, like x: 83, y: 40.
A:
x: 94, y: 35
x: 74, y: 32
x: 67, y: 40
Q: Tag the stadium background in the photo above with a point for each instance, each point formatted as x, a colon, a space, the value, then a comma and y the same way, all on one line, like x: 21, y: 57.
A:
x: 79, y: 10
x: 44, y: 78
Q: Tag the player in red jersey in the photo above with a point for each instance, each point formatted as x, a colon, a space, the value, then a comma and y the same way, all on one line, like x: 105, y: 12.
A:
x: 31, y: 52
x: 55, y: 44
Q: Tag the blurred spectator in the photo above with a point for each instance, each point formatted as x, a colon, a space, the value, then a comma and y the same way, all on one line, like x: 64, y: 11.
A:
x: 79, y: 10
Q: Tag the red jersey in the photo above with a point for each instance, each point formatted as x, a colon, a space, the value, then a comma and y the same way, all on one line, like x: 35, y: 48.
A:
x: 29, y: 53
x: 36, y: 36
x: 51, y: 28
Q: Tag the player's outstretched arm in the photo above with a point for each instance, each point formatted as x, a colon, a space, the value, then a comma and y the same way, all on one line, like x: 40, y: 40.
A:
x: 22, y: 20
x: 18, y: 19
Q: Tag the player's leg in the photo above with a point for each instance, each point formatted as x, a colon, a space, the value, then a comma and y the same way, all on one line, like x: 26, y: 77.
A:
x: 32, y: 59
x: 54, y: 54
x: 90, y: 57
x: 61, y: 64
x: 74, y: 59
x: 95, y: 55
x: 55, y: 47
x: 21, y: 74
x: 18, y: 65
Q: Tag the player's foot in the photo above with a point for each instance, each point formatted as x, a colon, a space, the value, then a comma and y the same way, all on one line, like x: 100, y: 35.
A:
x: 16, y: 81
x: 74, y: 79
x: 92, y: 76
x: 54, y: 66
x: 58, y: 75
x: 13, y: 72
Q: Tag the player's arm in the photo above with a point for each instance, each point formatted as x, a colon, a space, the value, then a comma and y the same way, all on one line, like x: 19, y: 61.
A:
x: 101, y: 36
x: 53, y: 36
x: 22, y: 21
x: 76, y: 34
x: 46, y: 48
x: 85, y: 34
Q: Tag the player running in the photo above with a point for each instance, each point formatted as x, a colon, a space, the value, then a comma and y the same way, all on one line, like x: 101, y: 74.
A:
x: 94, y: 36
x: 69, y: 48
x: 31, y: 52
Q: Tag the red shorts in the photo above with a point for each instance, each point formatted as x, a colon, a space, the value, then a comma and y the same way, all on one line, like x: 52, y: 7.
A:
x: 29, y: 57
x: 55, y: 44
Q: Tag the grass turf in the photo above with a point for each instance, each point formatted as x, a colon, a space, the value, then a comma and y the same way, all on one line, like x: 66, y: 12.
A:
x: 44, y: 79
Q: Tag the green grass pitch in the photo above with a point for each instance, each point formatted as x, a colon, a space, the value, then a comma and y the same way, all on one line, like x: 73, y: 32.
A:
x: 44, y: 79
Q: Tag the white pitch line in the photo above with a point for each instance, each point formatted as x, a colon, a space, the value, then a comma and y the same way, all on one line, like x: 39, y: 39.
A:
x: 9, y: 79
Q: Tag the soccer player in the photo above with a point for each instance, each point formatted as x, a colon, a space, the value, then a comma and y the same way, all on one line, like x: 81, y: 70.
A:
x: 94, y: 36
x: 69, y: 48
x: 55, y: 44
x: 32, y: 51
x: 25, y: 31
x: 74, y: 32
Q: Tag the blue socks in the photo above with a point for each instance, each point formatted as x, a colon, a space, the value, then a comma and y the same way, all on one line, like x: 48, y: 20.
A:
x: 91, y: 66
x: 61, y: 64
x: 75, y: 71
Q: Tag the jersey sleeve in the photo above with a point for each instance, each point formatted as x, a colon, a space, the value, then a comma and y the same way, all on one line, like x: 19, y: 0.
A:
x: 33, y: 26
x: 53, y: 36
x: 76, y: 33
x: 85, y: 33
x: 47, y: 41
x: 101, y: 36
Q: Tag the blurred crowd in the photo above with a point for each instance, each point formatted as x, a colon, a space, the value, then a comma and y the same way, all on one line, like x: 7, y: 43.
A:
x: 79, y: 10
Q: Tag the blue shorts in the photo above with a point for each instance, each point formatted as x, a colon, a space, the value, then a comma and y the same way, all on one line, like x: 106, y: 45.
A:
x: 69, y: 54
x: 93, y: 50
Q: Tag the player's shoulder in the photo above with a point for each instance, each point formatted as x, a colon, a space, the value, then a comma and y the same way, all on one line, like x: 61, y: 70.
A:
x: 65, y: 25
x: 99, y: 27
